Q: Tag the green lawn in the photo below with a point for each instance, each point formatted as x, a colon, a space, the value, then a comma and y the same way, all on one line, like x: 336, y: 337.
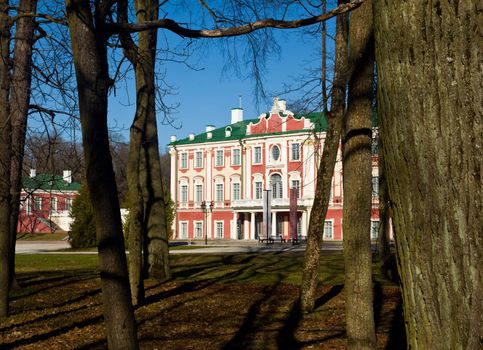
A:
x: 225, y: 268
x: 224, y: 301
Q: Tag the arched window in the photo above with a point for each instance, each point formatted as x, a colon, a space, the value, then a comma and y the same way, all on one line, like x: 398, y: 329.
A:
x: 277, y: 188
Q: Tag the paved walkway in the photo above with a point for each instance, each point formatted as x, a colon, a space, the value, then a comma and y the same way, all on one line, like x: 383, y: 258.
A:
x: 213, y: 247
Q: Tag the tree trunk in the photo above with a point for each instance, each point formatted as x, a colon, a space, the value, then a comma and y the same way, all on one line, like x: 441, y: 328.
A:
x: 5, y: 152
x: 430, y: 106
x: 19, y: 106
x: 154, y: 205
x: 90, y: 58
x: 357, y: 167
x: 325, y: 172
x: 144, y: 152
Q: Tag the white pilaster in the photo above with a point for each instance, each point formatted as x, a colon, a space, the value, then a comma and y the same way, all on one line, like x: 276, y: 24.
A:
x: 246, y: 227
x: 303, y: 224
x: 252, y: 225
x: 274, y: 224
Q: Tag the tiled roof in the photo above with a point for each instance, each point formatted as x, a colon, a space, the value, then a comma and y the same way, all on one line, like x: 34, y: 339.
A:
x: 49, y: 182
x: 238, y: 130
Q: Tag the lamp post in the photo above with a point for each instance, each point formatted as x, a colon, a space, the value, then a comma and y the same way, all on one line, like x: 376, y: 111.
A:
x: 203, y: 208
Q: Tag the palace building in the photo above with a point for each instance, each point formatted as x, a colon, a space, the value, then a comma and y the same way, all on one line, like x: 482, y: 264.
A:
x: 220, y: 178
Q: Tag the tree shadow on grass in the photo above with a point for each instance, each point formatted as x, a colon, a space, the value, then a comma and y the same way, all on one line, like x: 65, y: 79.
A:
x: 57, y: 331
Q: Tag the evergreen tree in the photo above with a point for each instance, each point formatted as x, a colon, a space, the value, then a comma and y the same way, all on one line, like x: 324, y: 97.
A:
x: 83, y: 230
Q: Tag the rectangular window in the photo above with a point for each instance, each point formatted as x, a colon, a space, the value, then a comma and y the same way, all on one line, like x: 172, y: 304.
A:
x: 198, y: 229
x: 184, y: 161
x: 328, y: 230
x: 53, y: 203
x: 219, y: 157
x: 236, y: 191
x: 258, y: 190
x: 198, y: 159
x: 219, y: 229
x: 28, y: 203
x: 183, y: 230
x: 184, y: 194
x: 236, y: 160
x: 38, y: 203
x: 257, y: 155
x: 375, y: 186
x: 219, y: 193
x: 374, y: 229
x: 198, y: 193
x: 68, y: 203
x: 295, y: 151
x: 296, y: 185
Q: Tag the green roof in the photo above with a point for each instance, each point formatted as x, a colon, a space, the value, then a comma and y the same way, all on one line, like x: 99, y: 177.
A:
x: 49, y: 182
x: 238, y: 130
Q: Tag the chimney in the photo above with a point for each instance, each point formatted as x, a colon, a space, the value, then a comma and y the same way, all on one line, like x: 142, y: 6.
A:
x: 33, y: 173
x: 173, y: 138
x: 236, y: 115
x: 67, y: 176
x: 191, y: 137
x: 209, y: 129
x: 282, y: 105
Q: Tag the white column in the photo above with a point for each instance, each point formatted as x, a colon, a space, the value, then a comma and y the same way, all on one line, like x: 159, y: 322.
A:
x: 303, y: 224
x: 252, y: 225
x: 233, y: 227
x: 246, y: 228
x: 209, y: 176
x: 274, y: 223
x: 248, y: 174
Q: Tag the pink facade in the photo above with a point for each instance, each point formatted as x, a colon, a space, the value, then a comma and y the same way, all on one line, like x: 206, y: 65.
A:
x: 218, y: 177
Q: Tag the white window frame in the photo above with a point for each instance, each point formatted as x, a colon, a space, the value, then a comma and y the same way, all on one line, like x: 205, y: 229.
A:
x: 183, y: 230
x: 235, y: 193
x: 375, y: 186
x: 275, y: 194
x: 68, y: 203
x: 183, y: 193
x: 54, y: 203
x: 279, y: 150
x: 219, y: 161
x: 38, y: 203
x: 219, y: 194
x: 255, y: 153
x: 292, y: 150
x: 198, y: 229
x: 292, y: 185
x: 374, y: 224
x: 258, y: 190
x: 236, y: 156
x: 326, y: 232
x: 183, y: 160
x: 219, y: 229
x: 198, y: 159
x: 198, y: 193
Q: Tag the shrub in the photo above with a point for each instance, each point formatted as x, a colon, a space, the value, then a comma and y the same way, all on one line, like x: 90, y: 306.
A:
x: 83, y: 229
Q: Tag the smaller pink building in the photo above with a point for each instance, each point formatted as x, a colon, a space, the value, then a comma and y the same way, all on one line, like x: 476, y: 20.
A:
x: 46, y: 201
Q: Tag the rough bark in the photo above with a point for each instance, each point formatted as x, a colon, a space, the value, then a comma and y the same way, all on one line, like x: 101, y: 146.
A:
x: 430, y: 106
x: 19, y: 106
x: 357, y: 167
x: 5, y: 152
x: 145, y: 180
x: 90, y: 59
x: 310, y: 276
x: 152, y: 184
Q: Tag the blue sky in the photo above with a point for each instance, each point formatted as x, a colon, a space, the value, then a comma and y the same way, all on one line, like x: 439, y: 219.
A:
x: 206, y: 96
